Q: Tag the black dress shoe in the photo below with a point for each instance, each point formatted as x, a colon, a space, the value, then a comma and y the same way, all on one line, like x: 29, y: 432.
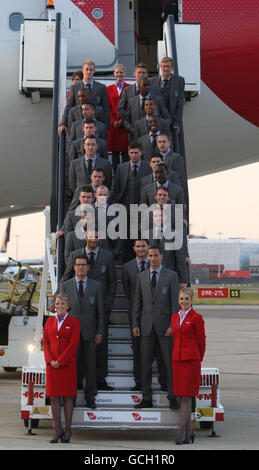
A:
x: 90, y: 403
x: 136, y: 388
x: 104, y: 386
x: 144, y: 404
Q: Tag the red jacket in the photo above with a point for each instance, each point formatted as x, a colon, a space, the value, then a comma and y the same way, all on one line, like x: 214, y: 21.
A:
x: 189, y: 338
x: 61, y: 345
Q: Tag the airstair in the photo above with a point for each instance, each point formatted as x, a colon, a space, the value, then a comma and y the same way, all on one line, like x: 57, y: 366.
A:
x: 116, y: 408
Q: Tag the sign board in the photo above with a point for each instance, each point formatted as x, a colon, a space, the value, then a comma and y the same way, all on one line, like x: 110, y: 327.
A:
x: 213, y: 293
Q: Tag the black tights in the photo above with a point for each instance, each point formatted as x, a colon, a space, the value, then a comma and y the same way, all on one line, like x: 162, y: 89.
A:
x: 56, y: 413
x: 185, y: 426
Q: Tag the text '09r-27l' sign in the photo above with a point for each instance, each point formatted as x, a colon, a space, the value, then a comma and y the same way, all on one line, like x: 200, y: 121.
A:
x: 208, y: 293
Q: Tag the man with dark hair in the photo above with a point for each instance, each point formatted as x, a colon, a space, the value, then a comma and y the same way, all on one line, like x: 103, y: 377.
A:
x: 155, y: 301
x: 129, y: 279
x: 149, y: 191
x: 81, y: 168
x: 101, y: 269
x: 86, y: 296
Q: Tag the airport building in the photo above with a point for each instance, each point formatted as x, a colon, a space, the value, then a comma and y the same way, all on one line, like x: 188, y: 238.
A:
x: 226, y: 259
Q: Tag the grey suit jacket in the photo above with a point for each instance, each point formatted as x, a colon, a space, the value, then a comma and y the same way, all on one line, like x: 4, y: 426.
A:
x: 89, y: 310
x: 175, y: 161
x: 75, y: 114
x: 121, y: 179
x: 76, y: 130
x: 98, y: 97
x: 155, y: 310
x: 172, y: 176
x: 130, y: 92
x: 141, y: 127
x: 177, y: 84
x: 149, y: 191
x: 103, y: 271
x: 148, y: 150
x: 79, y: 176
x: 173, y: 259
x: 134, y: 112
x: 77, y: 148
x: 129, y: 281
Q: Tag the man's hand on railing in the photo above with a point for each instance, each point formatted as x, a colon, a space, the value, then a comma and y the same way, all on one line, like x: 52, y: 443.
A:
x: 62, y: 128
x: 59, y: 234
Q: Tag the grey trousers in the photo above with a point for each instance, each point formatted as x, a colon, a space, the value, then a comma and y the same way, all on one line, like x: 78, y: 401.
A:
x: 148, y: 346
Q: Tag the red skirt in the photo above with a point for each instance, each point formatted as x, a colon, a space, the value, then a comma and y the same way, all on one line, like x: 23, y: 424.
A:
x: 186, y: 378
x: 61, y: 382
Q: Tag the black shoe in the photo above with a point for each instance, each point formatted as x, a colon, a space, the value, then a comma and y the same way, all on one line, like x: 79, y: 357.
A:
x: 104, y: 386
x: 144, y: 404
x: 67, y: 436
x: 191, y: 439
x: 136, y: 388
x: 90, y: 403
x: 57, y: 437
x: 173, y: 405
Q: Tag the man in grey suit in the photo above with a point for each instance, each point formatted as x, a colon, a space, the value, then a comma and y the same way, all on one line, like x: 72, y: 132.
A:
x: 126, y: 188
x: 141, y: 126
x: 151, y: 178
x: 148, y: 192
x: 162, y: 233
x: 140, y: 71
x: 172, y: 90
x: 97, y: 90
x: 77, y: 146
x: 129, y: 279
x: 101, y: 269
x: 77, y: 128
x: 172, y: 159
x: 81, y: 168
x: 86, y: 296
x: 85, y: 109
x: 85, y: 196
x: 136, y: 106
x: 155, y: 301
x: 148, y: 141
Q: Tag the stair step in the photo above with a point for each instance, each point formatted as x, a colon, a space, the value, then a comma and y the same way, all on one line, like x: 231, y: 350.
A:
x: 119, y: 332
x: 125, y: 417
x: 122, y: 398
x: 119, y: 347
x: 124, y: 364
x: 125, y: 381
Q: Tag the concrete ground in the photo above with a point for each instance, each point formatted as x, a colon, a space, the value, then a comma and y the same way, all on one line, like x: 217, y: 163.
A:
x: 232, y: 346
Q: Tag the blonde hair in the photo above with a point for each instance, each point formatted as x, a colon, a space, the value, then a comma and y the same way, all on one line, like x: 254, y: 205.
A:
x: 65, y: 298
x: 121, y: 66
x: 88, y: 62
x: 187, y: 291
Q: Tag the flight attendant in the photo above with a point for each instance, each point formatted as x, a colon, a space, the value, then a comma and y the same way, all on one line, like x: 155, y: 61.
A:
x: 117, y: 139
x: 60, y: 341
x: 188, y: 351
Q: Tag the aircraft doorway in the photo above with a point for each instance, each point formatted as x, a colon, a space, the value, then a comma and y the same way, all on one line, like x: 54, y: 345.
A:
x: 148, y: 30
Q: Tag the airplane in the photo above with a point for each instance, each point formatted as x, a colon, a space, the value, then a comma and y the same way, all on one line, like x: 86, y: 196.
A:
x: 220, y: 123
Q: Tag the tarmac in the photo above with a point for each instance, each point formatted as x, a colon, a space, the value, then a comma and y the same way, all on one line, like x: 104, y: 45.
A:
x: 232, y: 338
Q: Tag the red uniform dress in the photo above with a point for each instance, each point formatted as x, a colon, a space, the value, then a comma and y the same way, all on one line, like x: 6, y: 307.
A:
x: 188, y: 351
x: 61, y: 345
x: 117, y: 137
